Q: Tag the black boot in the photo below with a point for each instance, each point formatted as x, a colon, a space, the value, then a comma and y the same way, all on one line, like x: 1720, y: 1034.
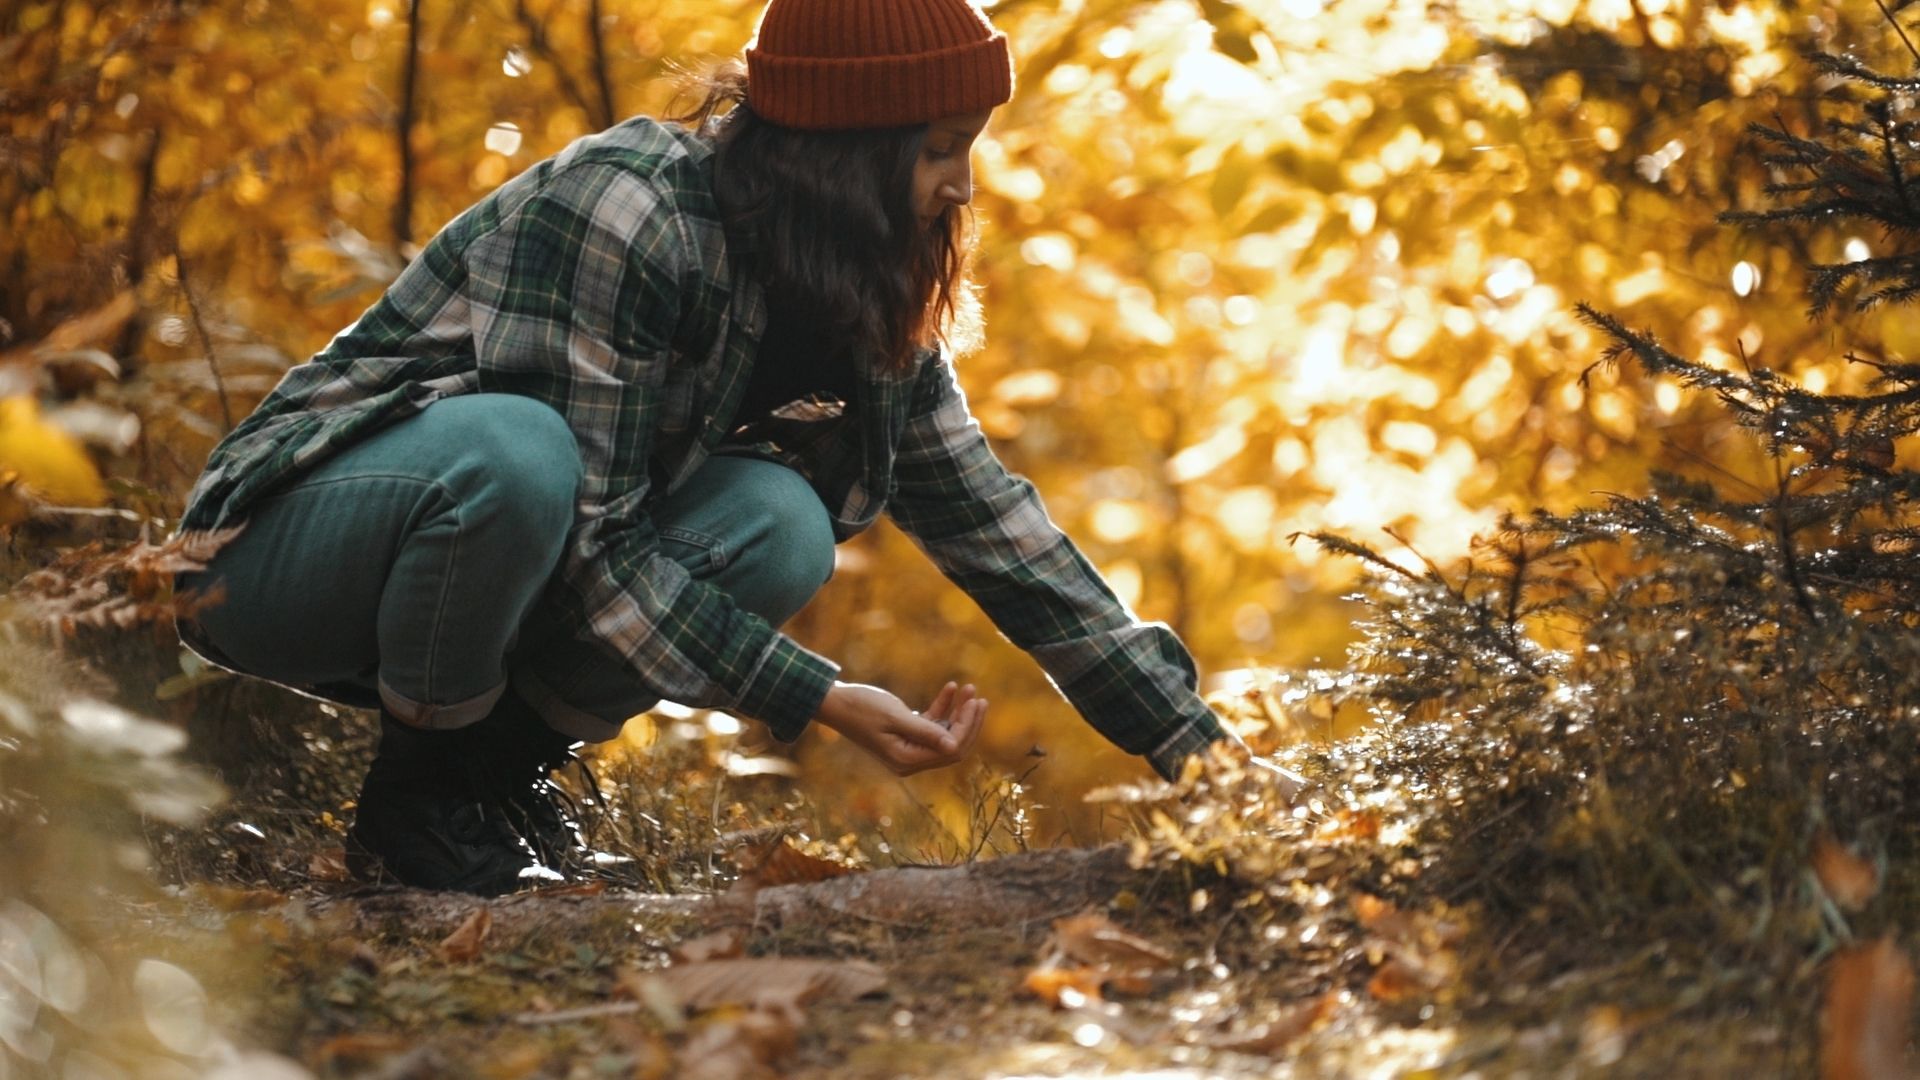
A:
x: 427, y: 818
x: 524, y: 754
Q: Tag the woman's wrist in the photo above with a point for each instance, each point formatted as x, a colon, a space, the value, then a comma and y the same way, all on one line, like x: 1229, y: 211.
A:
x: 832, y: 706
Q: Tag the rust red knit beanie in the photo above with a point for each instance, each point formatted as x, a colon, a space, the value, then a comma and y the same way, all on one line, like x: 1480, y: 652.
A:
x: 828, y: 64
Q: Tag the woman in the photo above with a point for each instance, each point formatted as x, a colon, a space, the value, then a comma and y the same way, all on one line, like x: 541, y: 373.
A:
x: 598, y: 441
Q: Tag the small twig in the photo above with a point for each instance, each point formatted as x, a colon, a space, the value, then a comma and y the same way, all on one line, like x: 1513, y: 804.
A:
x: 1898, y: 29
x: 206, y: 339
x: 584, y: 1012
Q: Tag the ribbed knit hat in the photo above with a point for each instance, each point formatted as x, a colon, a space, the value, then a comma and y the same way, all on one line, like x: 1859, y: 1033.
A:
x: 831, y: 64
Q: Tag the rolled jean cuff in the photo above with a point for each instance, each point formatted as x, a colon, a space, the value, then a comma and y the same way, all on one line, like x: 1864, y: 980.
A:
x: 570, y: 719
x: 438, y: 717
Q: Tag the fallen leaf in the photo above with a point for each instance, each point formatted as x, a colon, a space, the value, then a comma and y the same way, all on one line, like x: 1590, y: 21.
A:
x: 1064, y: 987
x: 713, y: 983
x: 328, y: 864
x: 781, y: 863
x: 1863, y: 1025
x: 1092, y: 938
x: 463, y: 945
x: 719, y: 945
x: 1284, y: 1030
x: 1848, y: 879
x: 1396, y: 981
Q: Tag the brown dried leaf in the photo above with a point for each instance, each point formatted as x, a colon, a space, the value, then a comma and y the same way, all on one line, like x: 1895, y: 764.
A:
x: 719, y: 945
x: 1094, y: 939
x: 1863, y: 1025
x: 464, y: 944
x: 1396, y: 981
x: 1848, y: 879
x: 328, y: 864
x: 713, y: 983
x: 1285, y: 1030
x: 781, y: 863
x: 95, y: 585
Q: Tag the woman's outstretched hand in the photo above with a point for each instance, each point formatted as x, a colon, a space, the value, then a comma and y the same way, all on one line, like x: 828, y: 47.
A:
x: 908, y: 742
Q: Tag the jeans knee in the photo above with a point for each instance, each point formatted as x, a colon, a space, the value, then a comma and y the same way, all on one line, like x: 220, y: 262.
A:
x: 792, y: 543
x: 519, y: 467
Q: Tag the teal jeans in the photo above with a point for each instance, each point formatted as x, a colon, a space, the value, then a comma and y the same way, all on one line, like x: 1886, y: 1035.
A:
x: 412, y: 570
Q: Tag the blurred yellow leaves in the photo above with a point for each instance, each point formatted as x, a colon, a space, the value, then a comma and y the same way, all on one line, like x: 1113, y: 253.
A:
x: 44, y: 462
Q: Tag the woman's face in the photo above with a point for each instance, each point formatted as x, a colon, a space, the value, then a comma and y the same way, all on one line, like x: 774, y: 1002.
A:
x: 943, y: 175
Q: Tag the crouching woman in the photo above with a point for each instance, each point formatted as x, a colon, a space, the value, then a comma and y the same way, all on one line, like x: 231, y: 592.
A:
x: 598, y: 441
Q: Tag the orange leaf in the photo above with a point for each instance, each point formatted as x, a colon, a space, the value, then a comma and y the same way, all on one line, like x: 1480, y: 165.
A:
x: 1065, y: 988
x: 780, y: 863
x: 1395, y: 981
x: 1863, y: 1026
x: 463, y: 945
x: 1849, y: 879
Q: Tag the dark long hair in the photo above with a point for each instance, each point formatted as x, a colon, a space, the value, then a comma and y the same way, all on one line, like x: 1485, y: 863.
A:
x: 831, y: 220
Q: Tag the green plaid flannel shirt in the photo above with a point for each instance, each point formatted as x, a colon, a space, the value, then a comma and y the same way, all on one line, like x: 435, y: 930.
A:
x: 598, y: 282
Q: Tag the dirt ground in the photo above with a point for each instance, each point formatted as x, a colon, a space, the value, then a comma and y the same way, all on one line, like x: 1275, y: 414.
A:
x: 1066, y: 963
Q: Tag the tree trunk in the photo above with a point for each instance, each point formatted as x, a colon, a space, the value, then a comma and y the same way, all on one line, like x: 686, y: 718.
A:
x: 409, y: 76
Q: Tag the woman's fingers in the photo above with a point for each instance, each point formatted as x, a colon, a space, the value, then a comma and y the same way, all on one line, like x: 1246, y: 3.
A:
x: 968, y: 721
x: 942, y: 702
x: 920, y: 732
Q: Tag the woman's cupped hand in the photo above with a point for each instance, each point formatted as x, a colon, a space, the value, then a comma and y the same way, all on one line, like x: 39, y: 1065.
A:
x: 907, y: 742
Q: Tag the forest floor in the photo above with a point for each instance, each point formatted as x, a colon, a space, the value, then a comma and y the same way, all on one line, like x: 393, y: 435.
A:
x: 1058, y: 963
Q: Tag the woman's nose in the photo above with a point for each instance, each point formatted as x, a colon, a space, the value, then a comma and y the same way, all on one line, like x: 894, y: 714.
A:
x: 958, y: 189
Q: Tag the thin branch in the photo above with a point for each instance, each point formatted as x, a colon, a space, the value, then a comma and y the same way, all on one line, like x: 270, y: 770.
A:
x: 136, y: 243
x: 206, y: 339
x: 1898, y: 29
x: 542, y: 45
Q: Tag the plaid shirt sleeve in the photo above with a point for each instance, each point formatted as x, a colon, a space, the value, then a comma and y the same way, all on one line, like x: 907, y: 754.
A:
x: 577, y: 293
x: 987, y: 531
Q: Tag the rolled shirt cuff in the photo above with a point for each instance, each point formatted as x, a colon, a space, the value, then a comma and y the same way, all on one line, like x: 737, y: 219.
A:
x: 1188, y: 739
x: 786, y: 689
